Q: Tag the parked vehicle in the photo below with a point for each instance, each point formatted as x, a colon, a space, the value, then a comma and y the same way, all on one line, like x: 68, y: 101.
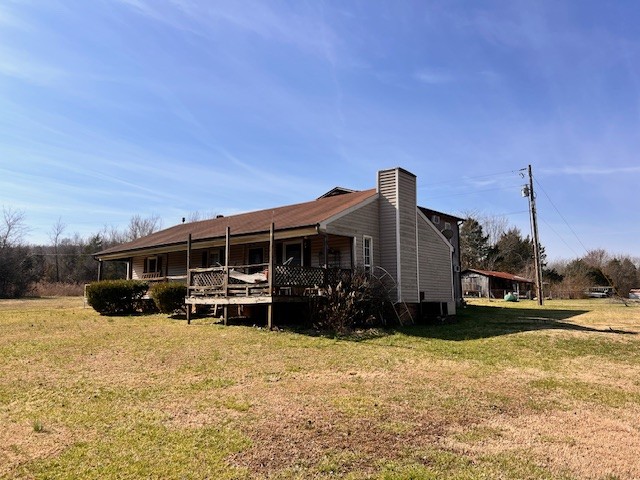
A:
x: 599, y: 292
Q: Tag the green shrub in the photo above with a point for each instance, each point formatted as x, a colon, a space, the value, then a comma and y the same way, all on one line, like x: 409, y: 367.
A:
x: 169, y: 297
x: 117, y: 297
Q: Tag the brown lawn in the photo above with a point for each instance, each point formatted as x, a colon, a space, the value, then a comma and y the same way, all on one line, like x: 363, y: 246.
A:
x: 505, y: 391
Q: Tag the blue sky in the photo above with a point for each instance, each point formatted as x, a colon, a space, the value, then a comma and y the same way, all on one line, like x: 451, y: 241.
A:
x: 111, y: 108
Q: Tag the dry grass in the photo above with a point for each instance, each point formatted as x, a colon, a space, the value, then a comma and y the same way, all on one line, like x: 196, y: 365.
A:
x: 507, y: 391
x: 60, y: 289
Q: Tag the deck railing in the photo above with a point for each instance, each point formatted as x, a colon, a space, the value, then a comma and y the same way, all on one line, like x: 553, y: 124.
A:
x: 151, y: 276
x: 287, y: 280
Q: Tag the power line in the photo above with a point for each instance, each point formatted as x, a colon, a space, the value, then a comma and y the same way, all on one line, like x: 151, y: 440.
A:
x: 506, y: 213
x: 560, y: 237
x: 562, y: 217
x: 468, y: 178
x: 504, y: 187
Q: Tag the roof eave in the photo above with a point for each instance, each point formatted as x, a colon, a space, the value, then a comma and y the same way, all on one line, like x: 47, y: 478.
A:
x: 248, y: 237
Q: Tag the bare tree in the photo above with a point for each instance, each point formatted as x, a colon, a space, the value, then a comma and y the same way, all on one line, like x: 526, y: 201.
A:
x: 597, y: 258
x: 619, y: 272
x: 18, y: 269
x: 13, y: 228
x: 494, y: 226
x: 197, y: 215
x: 141, y: 227
x: 55, y: 236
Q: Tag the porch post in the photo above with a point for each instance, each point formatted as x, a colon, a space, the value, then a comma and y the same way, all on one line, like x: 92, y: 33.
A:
x: 271, y: 273
x: 325, y: 247
x: 99, y: 270
x: 227, y: 250
x: 353, y: 253
x: 188, y: 277
x: 188, y: 259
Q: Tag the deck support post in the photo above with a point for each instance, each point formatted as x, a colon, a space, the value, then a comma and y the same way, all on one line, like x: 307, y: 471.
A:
x: 271, y: 274
x: 225, y: 314
x: 188, y: 277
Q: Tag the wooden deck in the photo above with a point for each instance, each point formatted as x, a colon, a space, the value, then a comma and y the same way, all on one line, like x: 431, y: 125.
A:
x: 255, y: 284
x: 220, y: 286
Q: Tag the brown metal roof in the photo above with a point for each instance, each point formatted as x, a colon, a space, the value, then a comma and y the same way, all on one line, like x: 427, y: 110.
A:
x: 285, y: 218
x: 505, y: 275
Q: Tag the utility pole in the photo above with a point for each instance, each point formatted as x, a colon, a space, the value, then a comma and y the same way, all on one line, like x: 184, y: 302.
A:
x: 527, y: 191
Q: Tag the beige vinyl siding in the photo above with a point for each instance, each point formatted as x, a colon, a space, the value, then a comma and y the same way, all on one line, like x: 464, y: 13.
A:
x: 408, y: 246
x: 238, y: 254
x: 340, y: 244
x: 137, y: 267
x: 363, y: 221
x: 435, y: 264
x: 177, y: 264
x: 387, y: 210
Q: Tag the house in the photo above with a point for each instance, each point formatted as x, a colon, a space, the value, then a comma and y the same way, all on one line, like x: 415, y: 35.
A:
x: 286, y: 254
x: 449, y: 226
x: 489, y: 284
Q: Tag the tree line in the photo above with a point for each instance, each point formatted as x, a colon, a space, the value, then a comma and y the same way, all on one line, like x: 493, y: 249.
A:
x: 65, y: 264
x: 486, y: 243
x: 490, y: 243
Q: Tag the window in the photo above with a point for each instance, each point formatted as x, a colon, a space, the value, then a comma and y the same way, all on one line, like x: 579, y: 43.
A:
x: 153, y: 265
x: 255, y: 258
x: 216, y: 257
x: 435, y: 219
x: 367, y: 252
x: 293, y: 251
x: 447, y: 226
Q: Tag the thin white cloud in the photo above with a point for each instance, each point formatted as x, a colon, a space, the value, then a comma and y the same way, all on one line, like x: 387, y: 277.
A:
x: 433, y: 77
x: 8, y: 19
x: 590, y: 170
x: 18, y: 65
x: 304, y: 30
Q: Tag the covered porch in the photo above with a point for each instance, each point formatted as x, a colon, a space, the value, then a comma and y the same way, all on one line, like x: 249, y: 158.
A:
x: 250, y: 267
x: 259, y: 268
x: 284, y: 270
